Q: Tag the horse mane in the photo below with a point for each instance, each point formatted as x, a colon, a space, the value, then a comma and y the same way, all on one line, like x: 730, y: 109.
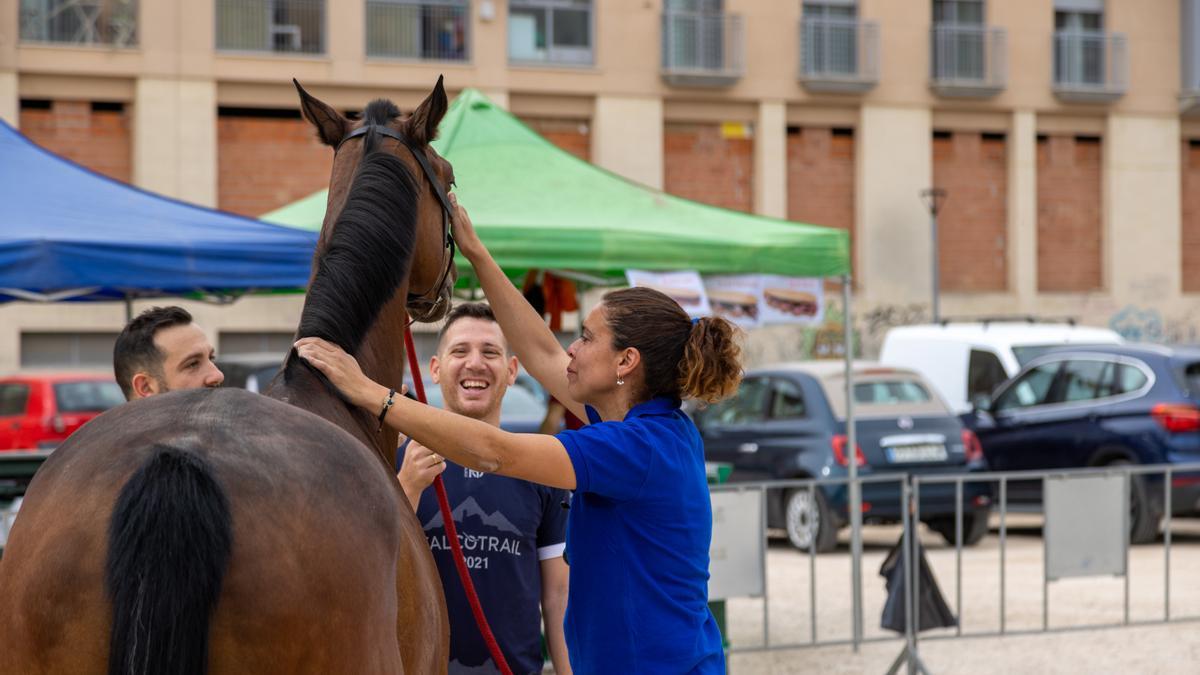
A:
x: 370, y: 251
x: 380, y: 112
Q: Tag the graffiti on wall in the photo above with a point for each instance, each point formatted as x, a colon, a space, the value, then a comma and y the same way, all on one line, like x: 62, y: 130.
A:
x: 1136, y: 322
x: 778, y: 344
x: 876, y: 322
x: 880, y: 319
x: 1140, y: 323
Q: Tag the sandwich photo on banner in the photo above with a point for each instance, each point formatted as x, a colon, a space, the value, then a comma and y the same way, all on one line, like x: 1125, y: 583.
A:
x: 792, y: 300
x: 682, y: 287
x: 736, y: 297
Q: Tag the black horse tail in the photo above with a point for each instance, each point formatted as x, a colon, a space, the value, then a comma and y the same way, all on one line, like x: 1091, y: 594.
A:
x: 169, y: 544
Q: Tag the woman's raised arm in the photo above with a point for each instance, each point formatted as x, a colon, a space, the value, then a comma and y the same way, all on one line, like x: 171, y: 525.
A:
x: 527, y: 333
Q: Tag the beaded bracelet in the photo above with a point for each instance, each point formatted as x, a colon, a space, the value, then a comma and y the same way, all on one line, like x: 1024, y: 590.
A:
x: 387, y: 405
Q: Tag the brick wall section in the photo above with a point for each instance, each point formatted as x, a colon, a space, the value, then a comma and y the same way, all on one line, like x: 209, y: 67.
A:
x: 1070, y: 219
x: 701, y: 165
x: 574, y: 136
x: 820, y: 178
x: 99, y: 140
x: 264, y: 163
x: 1191, y: 216
x: 972, y: 224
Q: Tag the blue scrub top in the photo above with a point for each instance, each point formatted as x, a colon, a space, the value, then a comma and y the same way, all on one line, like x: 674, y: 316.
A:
x: 638, y: 537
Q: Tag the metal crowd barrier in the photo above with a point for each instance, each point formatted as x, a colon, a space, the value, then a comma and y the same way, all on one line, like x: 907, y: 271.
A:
x: 1065, y: 490
x: 1002, y: 480
x: 762, y: 488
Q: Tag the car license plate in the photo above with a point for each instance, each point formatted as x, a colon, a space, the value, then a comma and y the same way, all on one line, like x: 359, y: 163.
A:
x: 924, y: 452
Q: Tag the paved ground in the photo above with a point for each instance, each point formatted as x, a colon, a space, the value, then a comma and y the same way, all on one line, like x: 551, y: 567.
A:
x: 1173, y: 648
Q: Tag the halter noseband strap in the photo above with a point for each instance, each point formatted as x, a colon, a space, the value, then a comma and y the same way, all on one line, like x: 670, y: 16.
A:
x: 447, y: 210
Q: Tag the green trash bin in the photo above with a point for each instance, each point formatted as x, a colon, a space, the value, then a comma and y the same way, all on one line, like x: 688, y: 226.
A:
x: 718, y: 473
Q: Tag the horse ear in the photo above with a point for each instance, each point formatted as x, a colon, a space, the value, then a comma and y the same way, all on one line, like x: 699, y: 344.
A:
x: 423, y: 124
x: 331, y: 125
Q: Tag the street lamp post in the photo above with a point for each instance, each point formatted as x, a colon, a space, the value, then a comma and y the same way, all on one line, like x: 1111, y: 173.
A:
x: 934, y: 198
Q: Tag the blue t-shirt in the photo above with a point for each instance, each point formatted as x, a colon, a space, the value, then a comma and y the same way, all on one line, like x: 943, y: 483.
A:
x: 638, y: 537
x: 507, y: 527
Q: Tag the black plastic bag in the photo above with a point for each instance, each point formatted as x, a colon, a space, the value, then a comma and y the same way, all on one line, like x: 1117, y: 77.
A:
x: 933, y: 612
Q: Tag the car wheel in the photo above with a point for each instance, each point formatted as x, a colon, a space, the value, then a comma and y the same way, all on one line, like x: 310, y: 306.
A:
x: 975, y: 527
x: 807, y: 518
x: 1143, y: 516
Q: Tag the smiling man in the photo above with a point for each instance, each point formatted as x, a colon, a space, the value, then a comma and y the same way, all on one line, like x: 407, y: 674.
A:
x: 162, y: 350
x: 512, y: 532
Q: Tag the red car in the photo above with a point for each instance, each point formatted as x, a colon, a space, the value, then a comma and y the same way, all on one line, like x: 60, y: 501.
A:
x: 39, y: 411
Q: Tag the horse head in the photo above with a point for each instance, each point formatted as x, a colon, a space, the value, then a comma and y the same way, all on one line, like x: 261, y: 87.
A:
x: 384, y: 254
x: 432, y: 273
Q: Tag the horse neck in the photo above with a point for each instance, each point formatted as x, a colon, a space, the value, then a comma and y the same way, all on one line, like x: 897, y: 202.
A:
x: 382, y: 358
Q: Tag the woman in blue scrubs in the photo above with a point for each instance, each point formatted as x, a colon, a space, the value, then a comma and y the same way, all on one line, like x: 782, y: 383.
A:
x: 640, y: 521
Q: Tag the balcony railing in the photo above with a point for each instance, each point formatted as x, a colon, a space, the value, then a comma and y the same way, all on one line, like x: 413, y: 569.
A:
x: 969, y: 60
x: 1189, y: 95
x: 1090, y: 67
x: 80, y: 22
x: 428, y: 31
x: 839, y: 55
x: 280, y: 26
x: 702, y: 49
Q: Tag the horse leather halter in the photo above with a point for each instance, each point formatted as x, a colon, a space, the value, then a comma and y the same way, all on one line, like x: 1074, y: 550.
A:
x: 431, y: 299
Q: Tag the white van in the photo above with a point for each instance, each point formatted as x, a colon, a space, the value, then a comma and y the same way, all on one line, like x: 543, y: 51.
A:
x: 966, y: 360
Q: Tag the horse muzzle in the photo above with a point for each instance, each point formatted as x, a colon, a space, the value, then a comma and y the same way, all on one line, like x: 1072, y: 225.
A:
x: 428, y: 310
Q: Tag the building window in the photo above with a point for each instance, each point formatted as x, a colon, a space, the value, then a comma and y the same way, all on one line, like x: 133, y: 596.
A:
x: 958, y: 12
x: 67, y: 350
x: 1080, y: 47
x: 1190, y: 51
x: 830, y: 38
x: 959, y: 40
x: 433, y: 30
x: 282, y: 26
x: 838, y: 52
x: 701, y: 44
x: 550, y: 31
x: 91, y: 22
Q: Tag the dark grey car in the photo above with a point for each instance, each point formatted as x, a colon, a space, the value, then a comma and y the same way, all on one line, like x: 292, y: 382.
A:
x: 788, y: 421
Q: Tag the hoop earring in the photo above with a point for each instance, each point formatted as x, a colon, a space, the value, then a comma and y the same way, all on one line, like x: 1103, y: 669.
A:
x: 619, y: 380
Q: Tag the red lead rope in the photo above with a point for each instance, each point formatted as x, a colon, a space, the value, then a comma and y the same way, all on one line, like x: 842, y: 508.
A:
x: 451, y: 531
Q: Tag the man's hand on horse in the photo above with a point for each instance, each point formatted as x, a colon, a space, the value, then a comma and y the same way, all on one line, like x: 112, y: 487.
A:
x: 420, y: 466
x: 341, y: 369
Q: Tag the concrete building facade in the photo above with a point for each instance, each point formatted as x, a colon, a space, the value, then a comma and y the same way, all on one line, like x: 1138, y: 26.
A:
x: 1061, y: 130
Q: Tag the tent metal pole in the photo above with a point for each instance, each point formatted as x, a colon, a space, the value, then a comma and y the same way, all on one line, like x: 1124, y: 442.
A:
x: 855, y: 488
x: 579, y: 290
x: 128, y: 308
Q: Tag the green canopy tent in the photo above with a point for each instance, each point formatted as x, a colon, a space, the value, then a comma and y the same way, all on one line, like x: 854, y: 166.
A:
x: 536, y: 206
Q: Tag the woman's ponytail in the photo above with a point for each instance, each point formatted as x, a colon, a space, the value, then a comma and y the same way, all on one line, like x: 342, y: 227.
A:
x: 681, y: 357
x: 711, y: 368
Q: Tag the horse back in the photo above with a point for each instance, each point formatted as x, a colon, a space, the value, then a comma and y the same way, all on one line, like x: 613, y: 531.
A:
x: 316, y: 530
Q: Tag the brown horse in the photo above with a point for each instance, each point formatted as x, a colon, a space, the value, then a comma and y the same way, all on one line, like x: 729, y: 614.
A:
x: 226, y: 531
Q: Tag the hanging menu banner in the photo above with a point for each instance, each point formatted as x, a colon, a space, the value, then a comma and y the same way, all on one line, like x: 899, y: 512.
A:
x: 684, y: 288
x: 797, y: 300
x: 736, y: 297
x: 748, y: 300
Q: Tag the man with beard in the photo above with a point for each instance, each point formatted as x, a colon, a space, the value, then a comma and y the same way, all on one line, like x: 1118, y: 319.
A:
x: 162, y: 350
x: 513, y: 532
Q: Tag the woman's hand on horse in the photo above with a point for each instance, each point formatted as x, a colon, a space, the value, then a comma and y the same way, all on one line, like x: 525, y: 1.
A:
x: 464, y: 232
x: 341, y: 369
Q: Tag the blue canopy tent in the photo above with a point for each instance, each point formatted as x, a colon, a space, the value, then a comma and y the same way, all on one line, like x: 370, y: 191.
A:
x: 69, y: 234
